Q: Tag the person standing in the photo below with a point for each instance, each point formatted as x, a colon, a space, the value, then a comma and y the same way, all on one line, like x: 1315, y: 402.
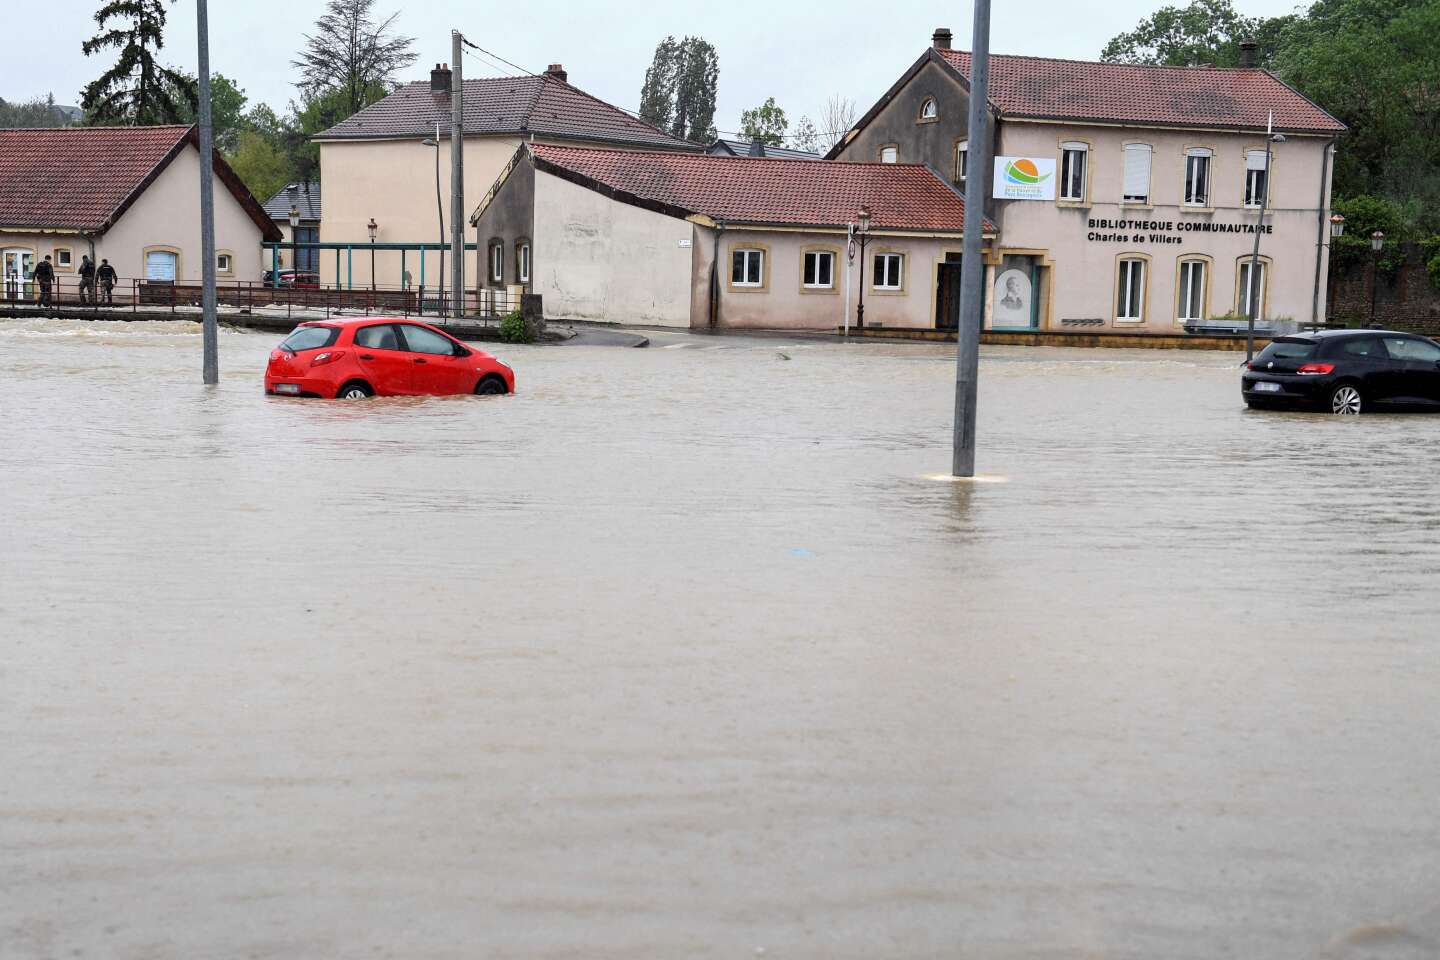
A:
x: 87, y: 279
x: 45, y: 276
x: 106, y: 276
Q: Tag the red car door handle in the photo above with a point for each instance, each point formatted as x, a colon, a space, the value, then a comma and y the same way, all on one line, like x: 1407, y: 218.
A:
x: 367, y: 356
x: 422, y: 361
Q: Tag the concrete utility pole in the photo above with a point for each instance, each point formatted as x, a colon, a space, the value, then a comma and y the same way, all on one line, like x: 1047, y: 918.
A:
x: 1252, y: 289
x: 457, y: 178
x: 211, y: 326
x: 972, y: 270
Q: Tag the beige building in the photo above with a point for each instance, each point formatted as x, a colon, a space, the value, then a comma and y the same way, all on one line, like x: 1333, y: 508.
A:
x: 382, y: 163
x: 130, y: 195
x: 1143, y: 188
x: 712, y: 242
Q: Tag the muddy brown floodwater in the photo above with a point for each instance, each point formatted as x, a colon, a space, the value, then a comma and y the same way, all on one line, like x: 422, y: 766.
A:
x: 679, y: 654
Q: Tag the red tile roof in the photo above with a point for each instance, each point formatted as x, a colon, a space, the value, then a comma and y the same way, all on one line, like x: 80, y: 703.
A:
x: 539, y: 105
x: 766, y: 191
x: 84, y: 178
x: 1037, y: 87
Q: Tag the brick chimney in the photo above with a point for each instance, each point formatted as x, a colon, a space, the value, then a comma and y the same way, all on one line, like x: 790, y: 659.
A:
x: 1247, y: 53
x: 557, y: 71
x: 942, y: 38
x: 440, y: 79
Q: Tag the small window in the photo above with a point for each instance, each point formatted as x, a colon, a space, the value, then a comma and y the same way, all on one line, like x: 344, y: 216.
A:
x: 747, y: 268
x: 1257, y: 177
x: 1367, y: 347
x: 312, y: 338
x: 962, y: 160
x: 382, y: 336
x: 1197, y: 178
x: 1073, y: 157
x: 1288, y: 350
x: 497, y: 262
x: 819, y: 270
x: 522, y: 261
x: 1251, y: 292
x: 420, y: 340
x: 224, y: 263
x: 1137, y: 173
x: 929, y: 110
x: 889, y: 271
x: 1130, y: 293
x: 890, y: 154
x: 63, y: 257
x: 1192, y: 290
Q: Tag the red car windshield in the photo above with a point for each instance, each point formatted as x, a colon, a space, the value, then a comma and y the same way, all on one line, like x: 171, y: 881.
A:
x: 310, y: 338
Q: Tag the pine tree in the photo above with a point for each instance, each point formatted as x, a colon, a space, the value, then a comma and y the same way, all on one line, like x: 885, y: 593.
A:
x: 657, y: 96
x: 137, y: 90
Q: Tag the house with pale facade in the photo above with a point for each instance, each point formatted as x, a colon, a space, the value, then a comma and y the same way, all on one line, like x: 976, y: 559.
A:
x: 390, y: 163
x: 721, y: 242
x: 1128, y: 198
x: 130, y: 195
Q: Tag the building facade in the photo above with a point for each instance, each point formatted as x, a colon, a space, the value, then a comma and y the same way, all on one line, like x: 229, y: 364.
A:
x: 300, y: 200
x: 1152, y: 182
x: 390, y: 163
x: 130, y: 195
x: 711, y: 242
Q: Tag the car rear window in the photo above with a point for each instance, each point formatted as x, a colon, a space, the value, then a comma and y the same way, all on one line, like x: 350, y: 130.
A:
x: 310, y: 338
x: 1287, y: 350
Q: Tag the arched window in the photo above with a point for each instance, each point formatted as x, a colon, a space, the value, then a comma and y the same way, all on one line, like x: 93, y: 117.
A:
x: 890, y: 154
x: 929, y: 109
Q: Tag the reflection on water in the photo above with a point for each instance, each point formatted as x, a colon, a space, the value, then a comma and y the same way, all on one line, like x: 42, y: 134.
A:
x: 681, y: 653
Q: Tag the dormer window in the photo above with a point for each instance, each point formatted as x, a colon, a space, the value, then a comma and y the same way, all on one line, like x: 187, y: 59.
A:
x: 929, y: 110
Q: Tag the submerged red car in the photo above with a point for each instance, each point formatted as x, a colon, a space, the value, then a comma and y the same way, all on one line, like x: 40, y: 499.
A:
x: 381, y: 357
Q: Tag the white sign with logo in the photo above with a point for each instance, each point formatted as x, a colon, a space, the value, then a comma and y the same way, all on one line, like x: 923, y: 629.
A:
x: 1024, y: 178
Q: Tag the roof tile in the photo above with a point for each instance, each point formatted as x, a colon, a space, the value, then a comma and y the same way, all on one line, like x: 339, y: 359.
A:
x: 1129, y: 93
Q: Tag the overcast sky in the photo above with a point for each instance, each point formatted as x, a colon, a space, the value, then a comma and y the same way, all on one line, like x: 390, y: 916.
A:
x: 798, y: 53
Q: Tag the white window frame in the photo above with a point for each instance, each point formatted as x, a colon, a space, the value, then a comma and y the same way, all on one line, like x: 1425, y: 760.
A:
x: 224, y: 263
x: 748, y: 254
x: 64, y: 257
x: 805, y: 263
x: 1186, y: 292
x: 1068, y: 150
x: 522, y: 257
x: 894, y: 272
x: 1253, y: 174
x: 497, y: 261
x: 929, y: 109
x: 890, y: 153
x: 1138, y: 199
x: 1243, y: 295
x: 1199, y: 165
x: 962, y: 160
x: 1130, y: 309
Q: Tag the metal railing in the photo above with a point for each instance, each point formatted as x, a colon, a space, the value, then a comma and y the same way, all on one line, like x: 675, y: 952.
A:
x: 134, y: 296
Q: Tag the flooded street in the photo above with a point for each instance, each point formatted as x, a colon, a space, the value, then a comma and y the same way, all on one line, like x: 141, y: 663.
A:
x: 679, y: 653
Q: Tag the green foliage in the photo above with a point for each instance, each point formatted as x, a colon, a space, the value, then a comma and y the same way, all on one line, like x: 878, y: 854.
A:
x: 227, y: 111
x: 32, y: 113
x: 351, y: 57
x: 514, y: 330
x: 1430, y: 247
x: 806, y: 136
x: 765, y: 123
x: 137, y: 90
x: 261, y: 163
x: 1206, y: 31
x: 680, y: 89
x: 1363, y: 216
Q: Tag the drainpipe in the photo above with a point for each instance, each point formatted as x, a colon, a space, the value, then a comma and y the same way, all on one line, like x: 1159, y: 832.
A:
x: 1320, y: 242
x: 715, y: 278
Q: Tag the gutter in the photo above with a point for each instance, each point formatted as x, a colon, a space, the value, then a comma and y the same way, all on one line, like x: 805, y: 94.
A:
x: 1323, y: 221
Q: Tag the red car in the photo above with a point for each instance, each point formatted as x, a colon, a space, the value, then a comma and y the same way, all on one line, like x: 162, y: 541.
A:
x: 385, y: 357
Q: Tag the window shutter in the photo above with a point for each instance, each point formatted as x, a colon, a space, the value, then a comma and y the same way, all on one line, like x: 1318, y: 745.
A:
x: 1254, y: 159
x: 1137, y: 170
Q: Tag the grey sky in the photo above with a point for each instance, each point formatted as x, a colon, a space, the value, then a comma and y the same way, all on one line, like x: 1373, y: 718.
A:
x: 767, y: 48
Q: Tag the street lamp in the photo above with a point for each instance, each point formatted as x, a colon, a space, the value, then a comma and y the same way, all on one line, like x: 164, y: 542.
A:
x: 1337, y: 226
x: 863, y: 233
x: 440, y: 214
x: 1377, y: 243
x: 372, y: 228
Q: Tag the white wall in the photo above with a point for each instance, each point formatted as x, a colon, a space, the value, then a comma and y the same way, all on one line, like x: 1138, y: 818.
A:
x: 596, y: 259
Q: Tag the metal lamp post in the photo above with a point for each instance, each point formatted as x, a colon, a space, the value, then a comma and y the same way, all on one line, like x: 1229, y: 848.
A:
x: 372, y: 228
x: 294, y: 218
x: 1337, y: 230
x: 1377, y: 243
x: 439, y: 213
x: 1252, y: 294
x: 863, y: 234
x: 210, y: 331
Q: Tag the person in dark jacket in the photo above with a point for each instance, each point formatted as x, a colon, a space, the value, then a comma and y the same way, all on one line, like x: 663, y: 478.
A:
x: 87, y: 279
x: 45, y: 277
x: 106, y: 276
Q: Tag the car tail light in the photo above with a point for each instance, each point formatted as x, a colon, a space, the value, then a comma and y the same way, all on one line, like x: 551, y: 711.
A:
x: 327, y: 357
x: 1316, y: 369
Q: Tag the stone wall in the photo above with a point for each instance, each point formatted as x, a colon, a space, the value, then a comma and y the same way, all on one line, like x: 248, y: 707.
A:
x: 1405, y: 300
